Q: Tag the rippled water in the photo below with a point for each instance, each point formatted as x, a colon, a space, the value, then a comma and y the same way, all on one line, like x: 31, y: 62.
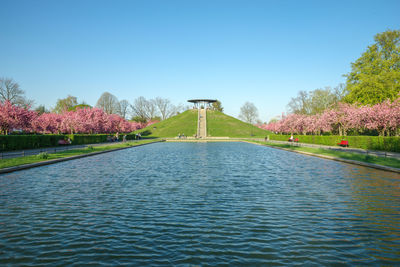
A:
x: 200, y: 204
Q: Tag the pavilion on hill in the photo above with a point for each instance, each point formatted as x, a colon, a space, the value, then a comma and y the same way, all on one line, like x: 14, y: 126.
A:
x: 205, y: 103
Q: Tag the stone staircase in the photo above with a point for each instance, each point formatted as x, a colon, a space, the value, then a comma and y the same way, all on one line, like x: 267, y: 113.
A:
x: 202, y: 123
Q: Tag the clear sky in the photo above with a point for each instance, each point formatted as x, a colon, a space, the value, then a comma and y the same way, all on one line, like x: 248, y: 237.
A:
x: 235, y: 51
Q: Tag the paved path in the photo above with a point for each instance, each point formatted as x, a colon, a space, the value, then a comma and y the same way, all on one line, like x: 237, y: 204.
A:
x: 202, y: 124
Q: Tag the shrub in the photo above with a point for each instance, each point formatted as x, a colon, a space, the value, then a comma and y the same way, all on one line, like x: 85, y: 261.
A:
x: 43, y: 155
x: 130, y: 136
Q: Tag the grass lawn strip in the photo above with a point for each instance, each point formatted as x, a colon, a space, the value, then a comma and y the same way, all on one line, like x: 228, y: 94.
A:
x: 13, y: 162
x: 332, y: 154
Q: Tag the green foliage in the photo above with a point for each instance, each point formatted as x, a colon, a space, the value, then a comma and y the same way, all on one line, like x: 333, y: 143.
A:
x: 65, y: 104
x: 375, y: 76
x: 82, y: 139
x: 390, y: 144
x: 130, y: 137
x: 79, y: 106
x: 43, y: 155
x: 316, y: 101
x: 139, y: 119
x: 156, y: 118
x: 220, y: 124
x: 218, y: 106
x: 186, y: 123
x: 18, y: 142
x: 89, y: 147
x: 41, y: 109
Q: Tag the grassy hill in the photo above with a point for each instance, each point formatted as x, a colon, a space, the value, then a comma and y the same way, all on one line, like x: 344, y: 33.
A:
x: 184, y: 123
x: 220, y: 124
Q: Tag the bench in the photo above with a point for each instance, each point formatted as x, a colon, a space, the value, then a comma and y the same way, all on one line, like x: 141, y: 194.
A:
x: 63, y: 142
x: 344, y: 143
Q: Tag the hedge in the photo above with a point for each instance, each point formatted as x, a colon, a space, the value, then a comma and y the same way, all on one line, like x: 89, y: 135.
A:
x: 16, y: 142
x: 19, y: 142
x: 82, y: 139
x: 383, y: 143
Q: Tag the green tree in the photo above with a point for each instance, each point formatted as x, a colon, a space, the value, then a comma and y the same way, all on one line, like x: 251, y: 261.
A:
x: 321, y: 99
x: 79, y: 106
x: 218, y: 106
x: 139, y: 119
x: 316, y: 101
x: 65, y: 104
x: 41, y: 109
x: 375, y: 76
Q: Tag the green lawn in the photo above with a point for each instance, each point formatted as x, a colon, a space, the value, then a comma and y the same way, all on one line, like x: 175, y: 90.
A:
x: 220, y: 124
x: 5, y: 163
x: 184, y: 123
x: 390, y: 162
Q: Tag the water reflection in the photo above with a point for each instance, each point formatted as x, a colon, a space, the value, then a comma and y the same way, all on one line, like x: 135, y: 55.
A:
x: 199, y: 204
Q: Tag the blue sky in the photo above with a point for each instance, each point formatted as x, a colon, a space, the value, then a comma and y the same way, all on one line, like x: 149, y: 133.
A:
x: 235, y: 51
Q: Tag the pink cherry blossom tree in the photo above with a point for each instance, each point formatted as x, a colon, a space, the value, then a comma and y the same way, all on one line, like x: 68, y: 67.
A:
x: 13, y: 117
x: 383, y: 117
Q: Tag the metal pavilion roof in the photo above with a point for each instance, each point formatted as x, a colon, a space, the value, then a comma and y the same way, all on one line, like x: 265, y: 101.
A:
x: 202, y: 100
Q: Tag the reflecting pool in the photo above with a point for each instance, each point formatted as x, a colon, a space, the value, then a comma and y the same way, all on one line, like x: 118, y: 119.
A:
x: 200, y: 204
